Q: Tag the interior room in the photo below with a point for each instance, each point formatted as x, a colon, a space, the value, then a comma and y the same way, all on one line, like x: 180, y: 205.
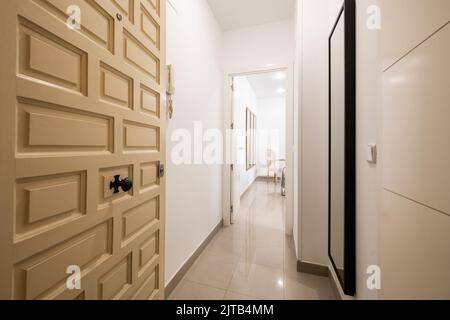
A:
x: 259, y: 120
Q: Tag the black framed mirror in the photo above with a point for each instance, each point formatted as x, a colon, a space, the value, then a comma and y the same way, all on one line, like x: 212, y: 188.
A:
x: 342, y: 150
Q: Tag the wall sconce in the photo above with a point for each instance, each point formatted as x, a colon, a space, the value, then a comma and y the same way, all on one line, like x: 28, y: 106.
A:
x: 170, y: 91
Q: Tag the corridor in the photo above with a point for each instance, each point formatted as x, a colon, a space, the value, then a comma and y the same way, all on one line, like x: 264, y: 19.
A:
x: 253, y: 259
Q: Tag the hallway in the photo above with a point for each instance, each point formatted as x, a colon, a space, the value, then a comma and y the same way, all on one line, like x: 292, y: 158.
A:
x: 253, y: 259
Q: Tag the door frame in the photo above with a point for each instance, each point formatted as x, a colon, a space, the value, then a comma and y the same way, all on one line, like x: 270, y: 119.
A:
x: 291, y: 142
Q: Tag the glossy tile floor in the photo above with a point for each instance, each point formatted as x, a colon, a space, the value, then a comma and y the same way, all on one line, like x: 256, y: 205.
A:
x: 252, y: 259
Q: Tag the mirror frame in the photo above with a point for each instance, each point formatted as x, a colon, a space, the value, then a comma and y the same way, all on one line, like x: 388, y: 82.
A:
x: 348, y: 283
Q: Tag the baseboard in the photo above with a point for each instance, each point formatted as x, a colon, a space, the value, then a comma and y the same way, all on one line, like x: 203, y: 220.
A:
x: 188, y: 264
x: 334, y: 285
x: 312, y: 268
x: 248, y: 187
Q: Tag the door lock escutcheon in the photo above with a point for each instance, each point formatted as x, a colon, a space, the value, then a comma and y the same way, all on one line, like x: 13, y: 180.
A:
x: 126, y: 184
x: 162, y: 171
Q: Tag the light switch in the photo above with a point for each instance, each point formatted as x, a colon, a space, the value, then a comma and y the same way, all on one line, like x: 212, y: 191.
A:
x: 371, y: 153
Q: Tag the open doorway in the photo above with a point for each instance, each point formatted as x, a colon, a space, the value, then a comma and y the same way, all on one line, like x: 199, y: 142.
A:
x: 259, y: 109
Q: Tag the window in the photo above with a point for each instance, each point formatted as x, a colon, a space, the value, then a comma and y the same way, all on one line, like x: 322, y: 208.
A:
x: 250, y: 139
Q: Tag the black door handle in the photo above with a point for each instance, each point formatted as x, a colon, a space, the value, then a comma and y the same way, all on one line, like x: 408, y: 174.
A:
x: 126, y: 184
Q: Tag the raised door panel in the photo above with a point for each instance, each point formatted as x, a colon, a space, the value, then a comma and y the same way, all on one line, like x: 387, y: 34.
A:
x: 96, y: 23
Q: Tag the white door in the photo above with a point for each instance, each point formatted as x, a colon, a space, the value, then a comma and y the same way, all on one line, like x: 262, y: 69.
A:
x: 235, y: 168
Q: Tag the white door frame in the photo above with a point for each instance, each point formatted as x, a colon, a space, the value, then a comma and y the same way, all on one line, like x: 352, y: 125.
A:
x: 291, y: 142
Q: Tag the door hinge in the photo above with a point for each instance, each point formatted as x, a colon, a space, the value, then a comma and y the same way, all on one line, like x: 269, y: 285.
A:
x: 232, y: 126
x: 232, y: 167
x: 232, y: 86
x: 231, y: 209
x: 161, y: 170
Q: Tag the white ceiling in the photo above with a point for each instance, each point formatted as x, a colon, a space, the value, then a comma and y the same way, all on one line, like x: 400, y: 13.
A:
x: 268, y: 85
x: 234, y: 14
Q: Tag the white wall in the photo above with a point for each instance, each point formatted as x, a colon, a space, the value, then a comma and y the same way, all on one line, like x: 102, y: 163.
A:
x: 315, y: 20
x: 244, y: 97
x: 253, y: 47
x: 194, y: 199
x: 313, y: 136
x: 271, y: 130
x: 298, y: 84
x: 368, y: 131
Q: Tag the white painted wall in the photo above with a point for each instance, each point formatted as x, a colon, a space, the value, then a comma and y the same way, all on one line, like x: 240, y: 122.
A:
x: 313, y: 136
x: 315, y: 20
x: 244, y: 97
x: 194, y: 47
x: 254, y: 47
x: 368, y: 131
x: 297, y: 90
x: 271, y: 130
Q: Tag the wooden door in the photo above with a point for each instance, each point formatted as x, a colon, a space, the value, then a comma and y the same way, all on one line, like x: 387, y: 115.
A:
x: 79, y: 107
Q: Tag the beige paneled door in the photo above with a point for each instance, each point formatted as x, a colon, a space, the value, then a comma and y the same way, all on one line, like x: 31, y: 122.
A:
x: 81, y: 117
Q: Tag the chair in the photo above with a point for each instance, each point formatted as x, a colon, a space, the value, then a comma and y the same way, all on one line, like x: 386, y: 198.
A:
x: 271, y: 164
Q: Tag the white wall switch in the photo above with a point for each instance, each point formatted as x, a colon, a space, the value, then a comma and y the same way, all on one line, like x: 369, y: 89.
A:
x: 371, y: 153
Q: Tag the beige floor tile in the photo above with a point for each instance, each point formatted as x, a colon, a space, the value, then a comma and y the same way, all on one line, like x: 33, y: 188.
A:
x: 307, y: 287
x: 237, y: 296
x: 212, y: 270
x: 267, y: 255
x: 187, y: 290
x: 258, y: 281
x: 225, y: 247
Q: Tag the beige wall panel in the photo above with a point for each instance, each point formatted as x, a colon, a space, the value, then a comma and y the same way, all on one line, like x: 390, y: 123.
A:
x: 150, y: 27
x: 148, y: 251
x: 115, y: 87
x: 416, y: 124
x: 96, y: 23
x: 150, y: 101
x: 40, y: 126
x: 139, y: 217
x: 42, y: 55
x: 140, y: 57
x: 126, y: 7
x: 407, y: 23
x: 41, y: 273
x: 148, y: 288
x: 49, y: 201
x: 46, y: 202
x: 140, y: 137
x: 155, y: 5
x: 117, y: 281
x: 415, y: 260
x: 149, y: 175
